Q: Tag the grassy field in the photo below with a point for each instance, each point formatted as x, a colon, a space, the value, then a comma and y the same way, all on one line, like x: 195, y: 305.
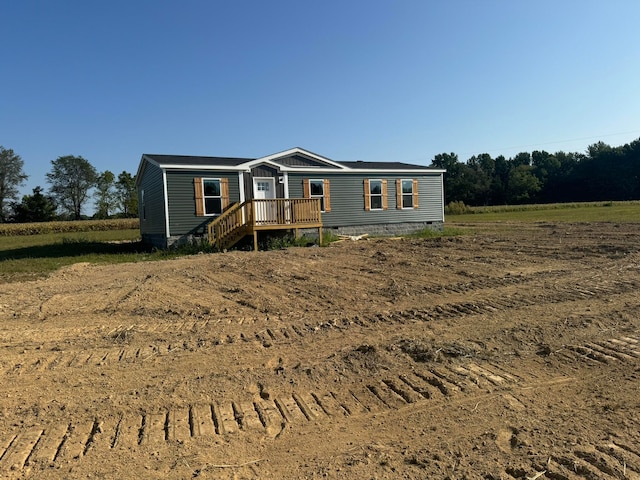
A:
x: 616, y: 212
x: 26, y: 256
x: 37, y: 228
x: 52, y: 245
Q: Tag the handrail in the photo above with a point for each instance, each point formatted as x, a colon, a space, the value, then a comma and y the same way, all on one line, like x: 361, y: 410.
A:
x: 286, y: 211
x: 264, y: 214
x: 229, y: 221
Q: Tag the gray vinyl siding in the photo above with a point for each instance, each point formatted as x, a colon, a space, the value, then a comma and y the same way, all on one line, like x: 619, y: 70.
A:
x: 182, y: 205
x: 263, y: 171
x: 152, y: 219
x: 347, y: 199
x: 301, y: 161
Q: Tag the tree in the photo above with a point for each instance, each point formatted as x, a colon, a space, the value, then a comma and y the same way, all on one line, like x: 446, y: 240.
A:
x: 127, y: 195
x: 11, y: 177
x: 500, y: 180
x: 35, y: 208
x: 483, y: 167
x: 71, y: 179
x: 523, y: 185
x: 452, y: 177
x: 545, y: 165
x: 598, y: 149
x: 523, y: 158
x: 105, y: 194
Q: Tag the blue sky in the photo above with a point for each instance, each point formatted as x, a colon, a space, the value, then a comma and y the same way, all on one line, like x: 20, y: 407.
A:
x: 395, y: 80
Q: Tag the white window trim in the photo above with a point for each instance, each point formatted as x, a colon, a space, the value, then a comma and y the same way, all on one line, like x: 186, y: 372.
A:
x: 402, y: 194
x: 311, y: 195
x: 204, y: 197
x: 371, y: 195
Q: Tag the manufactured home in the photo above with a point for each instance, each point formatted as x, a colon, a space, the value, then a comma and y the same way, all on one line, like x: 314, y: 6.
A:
x: 222, y: 199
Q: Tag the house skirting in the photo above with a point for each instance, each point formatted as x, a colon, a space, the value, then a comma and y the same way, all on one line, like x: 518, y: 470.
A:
x: 161, y: 241
x: 383, y: 230
x: 155, y: 240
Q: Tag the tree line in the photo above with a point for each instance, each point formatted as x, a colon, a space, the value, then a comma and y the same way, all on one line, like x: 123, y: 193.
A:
x: 603, y: 173
x: 73, y: 183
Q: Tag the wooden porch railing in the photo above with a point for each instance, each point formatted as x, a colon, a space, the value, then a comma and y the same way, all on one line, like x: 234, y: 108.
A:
x: 228, y: 225
x: 272, y: 214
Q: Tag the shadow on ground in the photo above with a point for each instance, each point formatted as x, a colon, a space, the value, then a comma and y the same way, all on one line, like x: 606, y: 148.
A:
x: 74, y: 249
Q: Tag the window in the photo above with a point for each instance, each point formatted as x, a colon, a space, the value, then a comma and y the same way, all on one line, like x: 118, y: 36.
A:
x: 262, y: 186
x: 407, y: 193
x: 375, y: 190
x: 375, y: 194
x: 318, y: 189
x: 211, y: 195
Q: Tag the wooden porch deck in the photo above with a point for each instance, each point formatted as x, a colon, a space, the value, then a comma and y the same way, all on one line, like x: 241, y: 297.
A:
x: 252, y: 216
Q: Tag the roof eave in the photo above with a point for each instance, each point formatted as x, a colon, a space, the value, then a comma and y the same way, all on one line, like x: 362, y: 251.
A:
x: 293, y: 151
x: 173, y: 166
x: 362, y: 170
x: 142, y: 166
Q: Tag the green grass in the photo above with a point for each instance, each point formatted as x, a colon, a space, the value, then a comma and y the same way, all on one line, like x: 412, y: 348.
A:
x: 24, y: 257
x: 615, y: 212
x: 25, y: 241
x: 32, y: 256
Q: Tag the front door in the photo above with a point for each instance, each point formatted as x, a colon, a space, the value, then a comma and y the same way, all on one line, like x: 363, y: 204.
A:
x: 264, y: 188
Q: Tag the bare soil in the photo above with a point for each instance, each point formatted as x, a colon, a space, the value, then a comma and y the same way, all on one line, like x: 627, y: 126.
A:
x: 509, y: 353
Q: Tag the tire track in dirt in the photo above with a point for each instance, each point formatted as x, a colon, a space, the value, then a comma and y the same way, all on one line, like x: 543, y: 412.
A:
x: 268, y: 415
x: 488, y: 305
x: 622, y: 349
x: 616, y: 459
x: 475, y: 284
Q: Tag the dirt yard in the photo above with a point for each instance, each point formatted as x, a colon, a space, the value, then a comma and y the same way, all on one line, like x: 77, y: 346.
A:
x: 510, y: 354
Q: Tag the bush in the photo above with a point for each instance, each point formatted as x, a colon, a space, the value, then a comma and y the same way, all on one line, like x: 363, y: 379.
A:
x: 457, y: 208
x: 329, y: 237
x: 275, y: 241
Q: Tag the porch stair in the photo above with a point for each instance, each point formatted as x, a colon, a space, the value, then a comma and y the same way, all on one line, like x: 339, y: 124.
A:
x: 252, y: 216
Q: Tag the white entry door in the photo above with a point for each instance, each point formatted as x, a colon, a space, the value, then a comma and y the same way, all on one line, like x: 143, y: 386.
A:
x: 264, y: 188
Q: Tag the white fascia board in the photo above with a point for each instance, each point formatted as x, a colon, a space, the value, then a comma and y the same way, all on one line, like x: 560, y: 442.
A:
x: 293, y: 151
x: 170, y: 166
x: 312, y: 170
x: 247, y: 166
